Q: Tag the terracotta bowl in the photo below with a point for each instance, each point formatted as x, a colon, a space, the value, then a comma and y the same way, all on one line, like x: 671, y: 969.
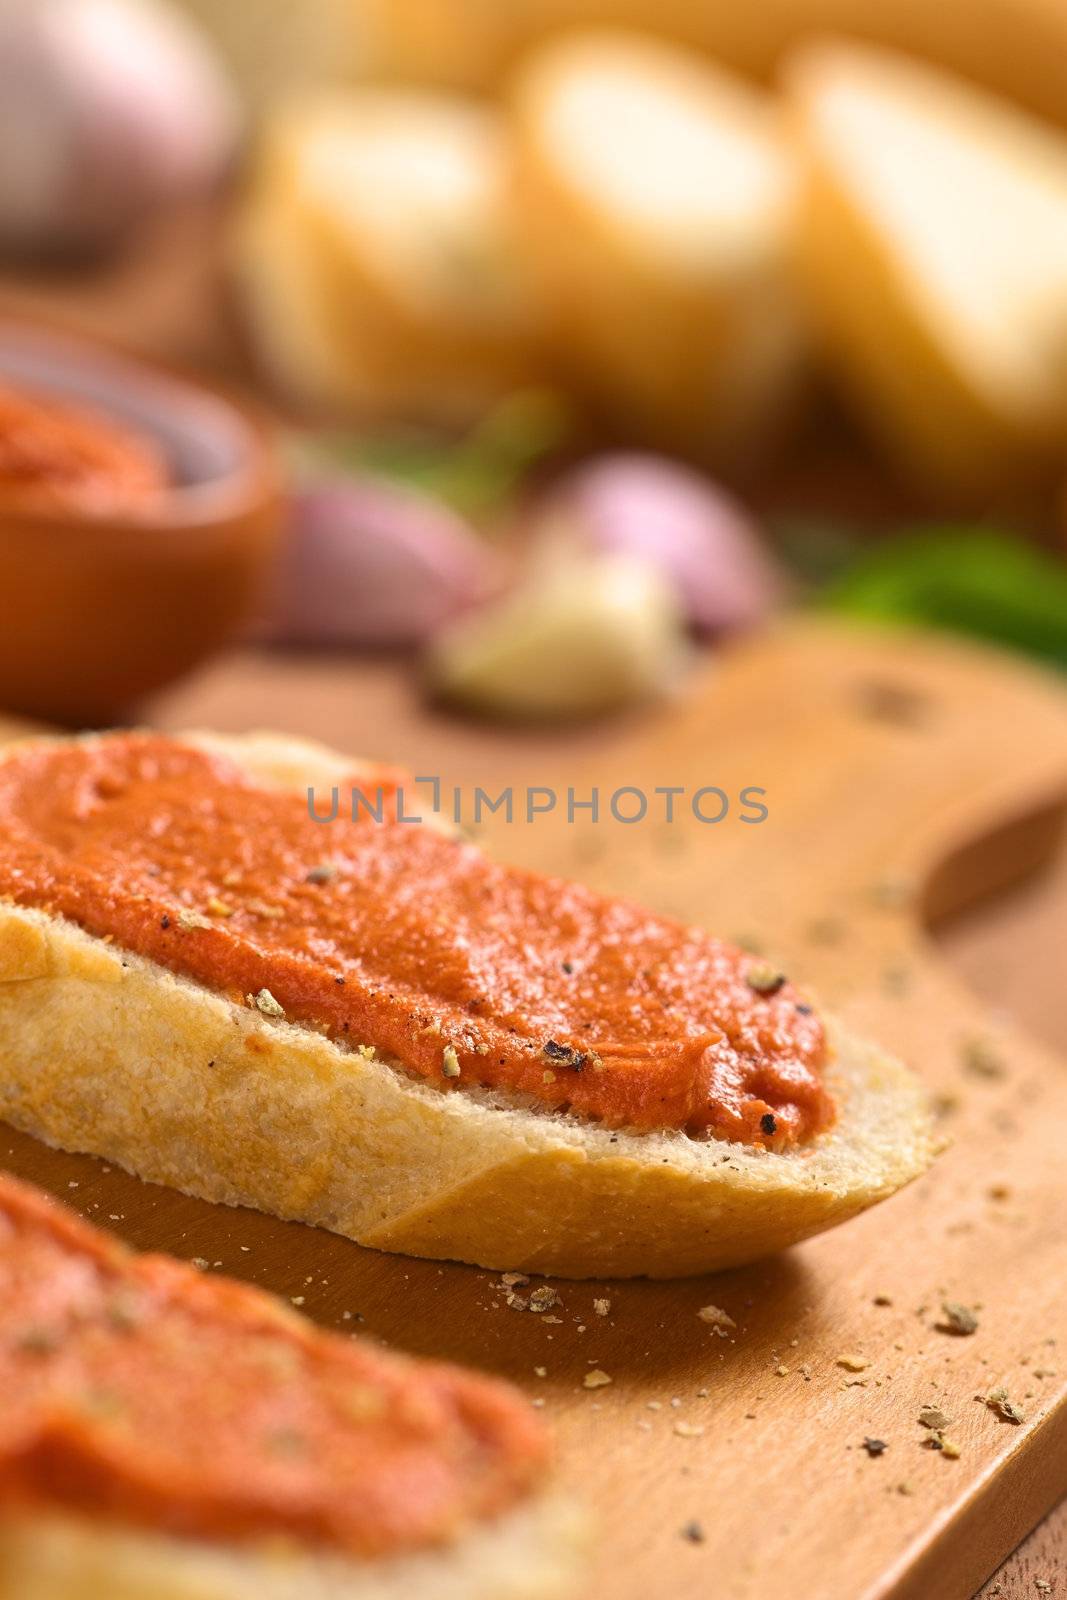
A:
x: 97, y: 612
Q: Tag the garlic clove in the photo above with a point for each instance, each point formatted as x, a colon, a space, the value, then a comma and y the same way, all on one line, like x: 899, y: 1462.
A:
x: 371, y: 564
x: 584, y: 634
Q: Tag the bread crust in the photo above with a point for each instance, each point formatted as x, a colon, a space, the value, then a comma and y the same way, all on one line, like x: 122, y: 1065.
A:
x: 529, y: 1554
x: 105, y: 1052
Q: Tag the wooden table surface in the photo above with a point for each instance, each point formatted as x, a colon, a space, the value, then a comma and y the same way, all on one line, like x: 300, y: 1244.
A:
x: 983, y: 947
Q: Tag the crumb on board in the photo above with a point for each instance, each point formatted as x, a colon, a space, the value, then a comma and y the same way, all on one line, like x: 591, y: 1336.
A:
x: 999, y: 1402
x: 595, y: 1379
x: 852, y: 1362
x: 717, y: 1318
x: 957, y: 1319
x: 982, y: 1057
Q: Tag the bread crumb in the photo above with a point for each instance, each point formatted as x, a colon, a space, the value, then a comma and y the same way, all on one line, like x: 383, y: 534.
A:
x: 601, y: 1307
x: 716, y: 1317
x: 957, y: 1319
x: 187, y: 920
x: 982, y: 1058
x: 265, y: 1002
x: 595, y: 1379
x: 688, y: 1430
x: 450, y: 1062
x: 853, y: 1363
x: 764, y: 978
x: 997, y: 1400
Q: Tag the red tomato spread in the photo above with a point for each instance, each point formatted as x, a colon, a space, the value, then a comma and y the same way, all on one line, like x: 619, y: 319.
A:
x: 59, y: 458
x: 139, y: 1390
x: 411, y: 942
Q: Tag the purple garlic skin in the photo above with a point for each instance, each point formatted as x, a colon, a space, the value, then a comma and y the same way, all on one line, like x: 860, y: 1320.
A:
x: 368, y: 564
x: 110, y: 110
x: 670, y: 516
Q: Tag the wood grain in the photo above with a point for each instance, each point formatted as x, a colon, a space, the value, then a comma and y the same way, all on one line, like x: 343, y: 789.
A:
x: 996, y: 948
x: 883, y: 762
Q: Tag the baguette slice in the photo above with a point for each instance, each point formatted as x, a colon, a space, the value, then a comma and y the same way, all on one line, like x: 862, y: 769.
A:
x: 1015, y: 47
x: 287, y: 47
x: 377, y: 256
x: 933, y: 241
x: 90, y: 1510
x: 105, y: 1052
x: 655, y: 198
x: 474, y: 45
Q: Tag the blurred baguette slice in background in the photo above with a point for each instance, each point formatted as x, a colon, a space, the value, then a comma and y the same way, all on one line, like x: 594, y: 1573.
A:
x: 284, y: 306
x: 278, y: 47
x: 1016, y: 47
x: 476, y: 43
x: 654, y: 196
x: 377, y: 256
x: 932, y: 240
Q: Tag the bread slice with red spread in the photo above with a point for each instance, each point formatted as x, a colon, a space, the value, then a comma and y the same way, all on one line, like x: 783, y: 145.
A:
x: 177, y: 1435
x: 371, y: 1026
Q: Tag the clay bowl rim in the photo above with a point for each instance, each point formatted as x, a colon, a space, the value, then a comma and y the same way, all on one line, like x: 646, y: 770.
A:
x: 183, y: 411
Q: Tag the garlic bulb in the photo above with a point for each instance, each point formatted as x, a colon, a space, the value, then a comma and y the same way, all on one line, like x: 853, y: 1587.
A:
x: 108, y: 110
x: 699, y: 537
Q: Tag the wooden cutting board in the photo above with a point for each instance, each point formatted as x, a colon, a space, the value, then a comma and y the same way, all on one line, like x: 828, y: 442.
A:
x: 903, y: 777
